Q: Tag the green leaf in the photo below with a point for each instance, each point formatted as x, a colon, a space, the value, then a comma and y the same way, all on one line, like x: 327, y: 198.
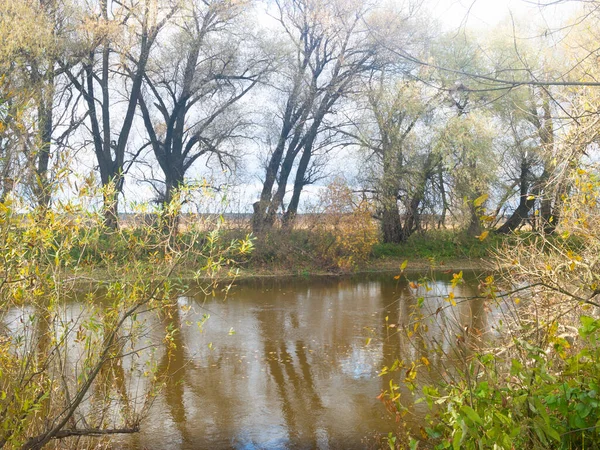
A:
x: 516, y: 367
x: 471, y: 414
x: 548, y: 430
x: 588, y: 325
x: 457, y: 439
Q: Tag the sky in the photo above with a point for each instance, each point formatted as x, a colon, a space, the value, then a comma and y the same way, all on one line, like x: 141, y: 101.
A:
x: 455, y: 14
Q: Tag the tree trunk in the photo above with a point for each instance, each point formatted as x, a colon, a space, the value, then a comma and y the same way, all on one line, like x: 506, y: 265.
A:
x: 301, y: 181
x: 551, y: 208
x: 259, y: 220
x: 391, y: 227
x: 174, y: 181
x: 526, y: 203
x: 111, y: 209
x: 392, y: 232
x: 474, y: 228
x: 442, y: 221
x: 413, y: 219
x: 45, y: 118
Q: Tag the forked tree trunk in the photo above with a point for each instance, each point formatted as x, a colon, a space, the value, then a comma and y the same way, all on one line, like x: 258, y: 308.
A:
x: 526, y: 202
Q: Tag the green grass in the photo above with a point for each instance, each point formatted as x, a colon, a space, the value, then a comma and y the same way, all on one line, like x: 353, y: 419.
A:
x: 439, y: 244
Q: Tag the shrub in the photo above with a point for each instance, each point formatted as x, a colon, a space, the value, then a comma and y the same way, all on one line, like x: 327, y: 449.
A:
x: 536, y: 384
x: 345, y: 229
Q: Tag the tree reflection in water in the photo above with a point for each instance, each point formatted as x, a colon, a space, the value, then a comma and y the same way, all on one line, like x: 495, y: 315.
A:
x: 294, y: 363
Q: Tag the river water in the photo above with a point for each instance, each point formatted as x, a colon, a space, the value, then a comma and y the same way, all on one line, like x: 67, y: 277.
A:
x: 294, y: 363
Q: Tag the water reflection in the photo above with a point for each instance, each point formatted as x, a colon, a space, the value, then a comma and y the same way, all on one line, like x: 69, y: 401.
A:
x: 289, y: 363
x: 286, y: 364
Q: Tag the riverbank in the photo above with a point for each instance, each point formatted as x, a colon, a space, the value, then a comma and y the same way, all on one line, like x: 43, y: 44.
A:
x: 285, y: 254
x: 381, y: 265
x: 389, y: 266
x: 303, y: 253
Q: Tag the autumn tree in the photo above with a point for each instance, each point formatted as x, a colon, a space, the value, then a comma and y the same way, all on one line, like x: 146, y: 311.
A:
x: 531, y: 119
x: 329, y: 46
x: 36, y: 35
x: 396, y: 144
x: 191, y: 88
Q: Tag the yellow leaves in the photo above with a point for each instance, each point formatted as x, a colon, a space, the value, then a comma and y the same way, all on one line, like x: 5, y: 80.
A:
x: 396, y: 366
x: 402, y: 267
x: 457, y: 278
x: 480, y: 200
x: 450, y: 299
x: 483, y: 235
x: 411, y: 373
x: 425, y: 361
x: 18, y: 294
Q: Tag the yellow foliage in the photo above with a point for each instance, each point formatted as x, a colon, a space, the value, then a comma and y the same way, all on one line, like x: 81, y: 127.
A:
x: 348, y: 223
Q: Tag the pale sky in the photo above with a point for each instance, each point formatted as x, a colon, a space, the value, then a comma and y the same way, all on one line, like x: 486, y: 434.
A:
x: 487, y: 13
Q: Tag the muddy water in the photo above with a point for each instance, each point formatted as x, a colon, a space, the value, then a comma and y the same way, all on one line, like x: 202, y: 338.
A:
x: 294, y: 363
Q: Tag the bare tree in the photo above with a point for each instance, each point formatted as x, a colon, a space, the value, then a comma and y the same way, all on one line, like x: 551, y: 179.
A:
x: 331, y: 46
x: 119, y: 37
x: 193, y: 86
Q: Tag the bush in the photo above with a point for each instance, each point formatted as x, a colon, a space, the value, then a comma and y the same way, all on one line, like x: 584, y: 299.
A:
x: 345, y: 230
x: 546, y: 398
x: 536, y: 384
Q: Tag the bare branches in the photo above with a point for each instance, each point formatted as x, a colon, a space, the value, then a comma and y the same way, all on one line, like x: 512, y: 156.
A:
x: 196, y: 92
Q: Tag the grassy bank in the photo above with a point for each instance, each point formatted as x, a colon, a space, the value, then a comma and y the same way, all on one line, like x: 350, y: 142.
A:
x: 305, y: 252
x: 300, y: 252
x: 275, y: 254
x: 293, y: 252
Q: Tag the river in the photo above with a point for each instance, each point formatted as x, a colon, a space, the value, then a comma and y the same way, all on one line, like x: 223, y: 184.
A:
x: 294, y: 363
